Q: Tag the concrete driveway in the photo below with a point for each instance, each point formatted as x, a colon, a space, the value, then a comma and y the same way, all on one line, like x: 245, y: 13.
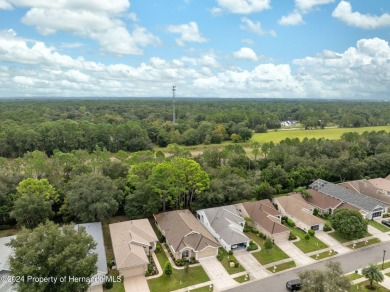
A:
x: 251, y: 265
x: 299, y: 257
x: 331, y: 242
x: 136, y: 284
x: 217, y: 274
x: 378, y: 234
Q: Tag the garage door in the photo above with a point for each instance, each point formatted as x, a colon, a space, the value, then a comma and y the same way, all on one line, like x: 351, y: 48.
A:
x: 133, y: 271
x: 315, y: 227
x: 207, y: 252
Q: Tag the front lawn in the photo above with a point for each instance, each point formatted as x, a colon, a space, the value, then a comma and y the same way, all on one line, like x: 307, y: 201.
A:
x: 161, y: 257
x: 282, y: 267
x: 362, y: 287
x: 322, y: 255
x: 117, y: 287
x: 363, y: 243
x: 342, y: 239
x: 378, y: 226
x: 242, y: 279
x: 226, y: 263
x: 274, y: 254
x: 304, y: 245
x: 203, y: 289
x: 179, y: 279
x: 354, y: 276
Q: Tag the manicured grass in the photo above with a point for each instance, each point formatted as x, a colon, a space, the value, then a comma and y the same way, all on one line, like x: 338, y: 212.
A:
x: 242, y: 279
x: 362, y: 287
x: 304, y: 245
x: 342, y: 239
x: 378, y: 226
x: 118, y: 287
x: 274, y: 254
x: 226, y: 264
x: 162, y: 258
x: 331, y: 134
x: 203, y: 289
x: 385, y: 266
x: 363, y: 243
x: 322, y: 255
x: 354, y: 276
x: 179, y: 279
x: 8, y: 232
x: 282, y: 267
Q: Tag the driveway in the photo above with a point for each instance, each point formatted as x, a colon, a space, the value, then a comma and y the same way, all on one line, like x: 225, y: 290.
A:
x: 217, y: 274
x: 299, y: 257
x: 136, y: 284
x: 378, y: 234
x: 251, y: 265
x: 331, y: 242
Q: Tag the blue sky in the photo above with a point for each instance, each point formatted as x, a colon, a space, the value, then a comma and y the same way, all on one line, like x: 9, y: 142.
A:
x: 207, y: 48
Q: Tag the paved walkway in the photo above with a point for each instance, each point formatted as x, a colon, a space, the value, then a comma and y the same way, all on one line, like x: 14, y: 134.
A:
x: 136, y: 284
x: 251, y: 265
x: 331, y: 242
x: 378, y: 234
x: 298, y: 256
x: 217, y: 274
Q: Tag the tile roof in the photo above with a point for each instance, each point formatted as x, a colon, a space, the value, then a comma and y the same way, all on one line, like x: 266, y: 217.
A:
x: 381, y: 183
x: 365, y: 187
x: 129, y: 241
x: 294, y: 205
x: 183, y: 230
x: 261, y: 213
x: 321, y: 200
x: 221, y: 219
x: 353, y: 198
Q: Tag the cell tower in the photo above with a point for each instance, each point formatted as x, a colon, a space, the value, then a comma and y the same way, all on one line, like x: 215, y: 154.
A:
x: 174, y: 104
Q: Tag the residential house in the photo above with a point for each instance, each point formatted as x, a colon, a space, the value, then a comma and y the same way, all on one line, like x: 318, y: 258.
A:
x: 323, y: 203
x: 366, y: 187
x: 226, y: 225
x: 266, y: 218
x: 186, y: 237
x: 382, y: 184
x: 368, y: 206
x: 5, y: 254
x: 301, y: 212
x: 132, y: 242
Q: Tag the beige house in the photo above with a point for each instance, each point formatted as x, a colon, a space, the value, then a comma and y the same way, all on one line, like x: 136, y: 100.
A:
x: 382, y: 184
x: 186, y: 236
x: 132, y: 242
x: 296, y: 208
x: 265, y: 218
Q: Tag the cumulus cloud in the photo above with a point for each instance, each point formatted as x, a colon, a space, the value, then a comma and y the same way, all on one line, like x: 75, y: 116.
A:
x: 294, y: 18
x: 301, y: 7
x: 35, y: 69
x: 95, y: 19
x: 189, y: 32
x: 5, y: 5
x: 244, y: 6
x: 255, y: 27
x: 343, y: 12
x: 246, y: 54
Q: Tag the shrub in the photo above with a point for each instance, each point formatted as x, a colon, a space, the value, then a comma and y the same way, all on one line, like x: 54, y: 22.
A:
x: 230, y: 252
x: 255, y: 231
x: 290, y: 223
x: 109, y: 284
x: 261, y: 234
x: 307, y: 236
x: 284, y: 219
x: 327, y: 227
x: 220, y: 257
x: 147, y: 274
x: 192, y: 260
x: 252, y: 246
x: 292, y: 236
x: 232, y: 259
x: 247, y: 229
x: 158, y: 248
x: 311, y: 232
x: 168, y: 268
x: 315, y: 212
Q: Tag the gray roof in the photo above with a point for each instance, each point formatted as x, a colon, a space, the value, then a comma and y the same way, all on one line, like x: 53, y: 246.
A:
x: 353, y: 198
x: 95, y: 230
x: 221, y: 219
x: 5, y: 253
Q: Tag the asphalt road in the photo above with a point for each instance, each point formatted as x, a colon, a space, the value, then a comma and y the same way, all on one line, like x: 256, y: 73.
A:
x: 349, y: 262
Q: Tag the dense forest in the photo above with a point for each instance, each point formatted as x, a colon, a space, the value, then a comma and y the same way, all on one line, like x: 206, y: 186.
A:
x: 133, y: 125
x: 70, y: 160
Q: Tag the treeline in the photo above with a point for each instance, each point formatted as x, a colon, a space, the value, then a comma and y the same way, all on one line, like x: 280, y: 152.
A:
x: 132, y: 125
x: 82, y: 186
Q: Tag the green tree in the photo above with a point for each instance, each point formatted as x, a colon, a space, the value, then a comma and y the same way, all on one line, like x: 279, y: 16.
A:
x: 268, y: 244
x: 51, y: 251
x: 329, y: 280
x: 349, y: 223
x: 256, y: 149
x: 91, y: 198
x: 264, y: 191
x: 168, y: 268
x: 235, y: 137
x: 372, y: 273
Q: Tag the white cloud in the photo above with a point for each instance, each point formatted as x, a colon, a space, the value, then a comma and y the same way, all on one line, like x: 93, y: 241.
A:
x: 133, y: 16
x: 255, y: 27
x: 294, y: 18
x: 95, y: 19
x: 244, y: 6
x: 306, y: 5
x: 209, y: 60
x: 189, y: 32
x: 216, y: 11
x: 5, y: 5
x: 301, y: 7
x: 246, y: 54
x: 343, y: 11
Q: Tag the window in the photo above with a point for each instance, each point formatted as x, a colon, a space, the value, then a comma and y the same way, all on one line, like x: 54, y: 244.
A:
x: 315, y: 227
x: 185, y: 254
x: 376, y: 214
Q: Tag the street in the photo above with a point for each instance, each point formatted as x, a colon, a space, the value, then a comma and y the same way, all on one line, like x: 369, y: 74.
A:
x: 349, y: 262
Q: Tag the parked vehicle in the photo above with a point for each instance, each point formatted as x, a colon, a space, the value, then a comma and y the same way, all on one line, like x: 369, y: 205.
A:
x: 386, y: 222
x: 293, y: 285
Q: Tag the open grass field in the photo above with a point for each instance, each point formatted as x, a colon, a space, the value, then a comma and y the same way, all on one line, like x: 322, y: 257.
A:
x: 330, y: 133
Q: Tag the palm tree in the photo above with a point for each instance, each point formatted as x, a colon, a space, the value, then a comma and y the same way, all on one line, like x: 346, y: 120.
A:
x: 372, y: 273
